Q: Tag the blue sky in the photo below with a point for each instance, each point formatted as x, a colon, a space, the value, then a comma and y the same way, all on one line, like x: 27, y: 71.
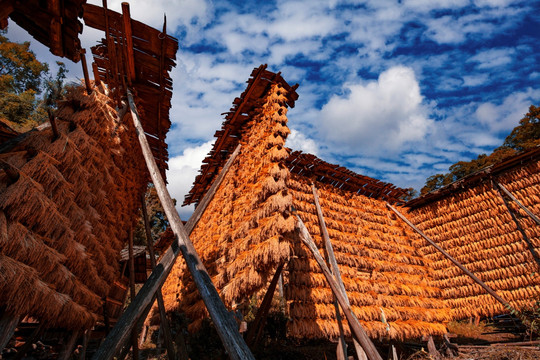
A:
x: 396, y: 90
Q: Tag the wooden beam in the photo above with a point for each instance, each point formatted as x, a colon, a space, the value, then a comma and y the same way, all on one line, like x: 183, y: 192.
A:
x: 86, y: 336
x: 8, y: 324
x: 134, y: 342
x: 6, y: 8
x: 85, y: 72
x: 331, y: 259
x: 489, y: 290
x: 68, y: 347
x: 358, y: 331
x: 505, y: 190
x: 129, y: 42
x: 224, y: 322
x: 255, y: 331
x: 171, y: 353
x: 530, y: 245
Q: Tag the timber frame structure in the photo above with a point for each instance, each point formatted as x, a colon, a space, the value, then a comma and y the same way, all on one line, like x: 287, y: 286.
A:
x: 342, y: 243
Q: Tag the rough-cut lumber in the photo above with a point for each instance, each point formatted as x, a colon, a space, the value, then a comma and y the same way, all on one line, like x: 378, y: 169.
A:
x: 335, y: 272
x: 68, y: 347
x: 511, y: 196
x: 224, y: 322
x: 134, y: 336
x: 8, y: 323
x: 354, y: 324
x: 255, y: 331
x: 171, y: 353
x: 489, y: 290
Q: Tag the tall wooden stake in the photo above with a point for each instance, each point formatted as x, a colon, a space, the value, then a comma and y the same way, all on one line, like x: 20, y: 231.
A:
x: 331, y: 258
x: 489, y: 290
x: 85, y: 72
x: 511, y: 196
x: 171, y: 353
x: 68, y: 347
x: 255, y: 331
x: 134, y: 342
x: 8, y: 324
x: 224, y: 322
x: 518, y: 225
x: 357, y: 329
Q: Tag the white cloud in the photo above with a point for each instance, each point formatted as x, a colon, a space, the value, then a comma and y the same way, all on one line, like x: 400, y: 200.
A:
x: 298, y: 141
x: 182, y: 172
x: 379, y: 116
x: 493, y: 58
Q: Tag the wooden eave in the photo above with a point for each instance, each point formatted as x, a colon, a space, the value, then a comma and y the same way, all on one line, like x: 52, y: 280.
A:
x: 312, y: 167
x: 142, y: 62
x: 54, y: 23
x: 486, y: 174
x: 229, y: 136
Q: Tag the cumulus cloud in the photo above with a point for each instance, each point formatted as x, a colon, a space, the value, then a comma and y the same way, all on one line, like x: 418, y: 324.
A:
x: 378, y: 116
x: 298, y: 141
x: 182, y: 172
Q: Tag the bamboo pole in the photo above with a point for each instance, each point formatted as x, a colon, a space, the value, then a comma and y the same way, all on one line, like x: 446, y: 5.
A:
x: 518, y: 225
x: 224, y: 322
x: 171, y: 353
x: 134, y: 342
x: 505, y: 190
x: 489, y: 290
x: 331, y: 258
x: 357, y: 329
x: 255, y: 331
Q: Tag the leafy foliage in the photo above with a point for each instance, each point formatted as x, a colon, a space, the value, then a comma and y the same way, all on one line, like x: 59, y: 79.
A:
x: 156, y: 215
x: 524, y: 136
x: 22, y: 79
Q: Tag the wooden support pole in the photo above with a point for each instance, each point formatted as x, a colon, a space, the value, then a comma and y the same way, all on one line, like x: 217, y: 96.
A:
x: 256, y: 329
x: 86, y: 336
x: 357, y: 329
x: 8, y: 324
x: 54, y: 127
x: 511, y: 196
x: 171, y: 353
x: 134, y: 342
x: 530, y: 245
x: 68, y: 347
x: 129, y: 42
x: 489, y: 290
x: 331, y: 259
x: 224, y: 322
x: 97, y: 79
x: 85, y: 72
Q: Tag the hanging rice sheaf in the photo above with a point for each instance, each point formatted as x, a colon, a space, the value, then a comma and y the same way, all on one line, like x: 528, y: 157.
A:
x: 475, y: 226
x: 65, y: 207
x: 241, y: 235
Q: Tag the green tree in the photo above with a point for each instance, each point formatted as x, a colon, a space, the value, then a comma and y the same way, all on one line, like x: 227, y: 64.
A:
x: 524, y: 136
x: 156, y: 215
x: 22, y: 80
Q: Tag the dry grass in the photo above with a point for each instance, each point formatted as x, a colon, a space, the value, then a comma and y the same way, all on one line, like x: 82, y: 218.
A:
x: 468, y: 329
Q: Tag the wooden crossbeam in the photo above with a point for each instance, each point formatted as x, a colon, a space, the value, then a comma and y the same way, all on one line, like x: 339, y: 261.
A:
x: 523, y: 207
x: 224, y: 322
x: 488, y: 289
x: 336, y: 273
x: 357, y: 329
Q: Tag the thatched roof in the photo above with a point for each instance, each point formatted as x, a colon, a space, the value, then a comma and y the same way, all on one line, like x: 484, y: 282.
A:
x: 66, y: 204
x: 470, y: 220
x: 248, y: 229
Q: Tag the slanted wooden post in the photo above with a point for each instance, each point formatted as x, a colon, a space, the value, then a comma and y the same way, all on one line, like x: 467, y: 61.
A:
x: 357, y: 329
x: 171, y: 353
x: 86, y: 336
x: 511, y: 196
x: 256, y: 329
x: 331, y: 258
x: 134, y: 342
x: 85, y: 72
x: 224, y: 322
x: 68, y: 347
x: 530, y: 245
x: 8, y: 324
x: 489, y: 290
